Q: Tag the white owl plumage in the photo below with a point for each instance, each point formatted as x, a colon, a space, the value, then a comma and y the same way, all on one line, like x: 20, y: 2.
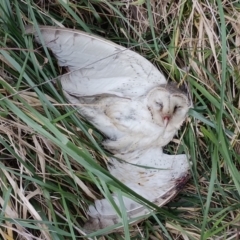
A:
x: 130, y: 102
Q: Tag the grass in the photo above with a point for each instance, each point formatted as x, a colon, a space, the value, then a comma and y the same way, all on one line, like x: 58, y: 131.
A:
x: 52, y: 164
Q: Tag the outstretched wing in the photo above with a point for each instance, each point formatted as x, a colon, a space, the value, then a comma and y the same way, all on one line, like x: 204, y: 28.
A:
x: 158, y: 184
x: 98, y: 66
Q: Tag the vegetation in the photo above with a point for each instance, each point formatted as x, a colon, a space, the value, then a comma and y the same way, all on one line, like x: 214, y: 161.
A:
x: 52, y: 164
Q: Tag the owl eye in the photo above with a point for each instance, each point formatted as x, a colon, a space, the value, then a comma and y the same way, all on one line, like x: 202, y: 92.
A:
x: 159, y: 104
x: 176, y: 108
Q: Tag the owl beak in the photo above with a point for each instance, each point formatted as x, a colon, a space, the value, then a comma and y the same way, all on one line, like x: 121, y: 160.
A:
x: 166, y: 120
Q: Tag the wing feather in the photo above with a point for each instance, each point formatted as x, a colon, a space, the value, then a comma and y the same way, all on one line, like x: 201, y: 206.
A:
x: 97, y: 65
x: 157, y: 185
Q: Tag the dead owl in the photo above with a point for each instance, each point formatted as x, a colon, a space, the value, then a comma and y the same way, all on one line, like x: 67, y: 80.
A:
x: 131, y: 103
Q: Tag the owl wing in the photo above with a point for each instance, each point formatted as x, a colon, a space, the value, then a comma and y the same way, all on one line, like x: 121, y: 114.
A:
x: 97, y: 65
x: 158, y: 186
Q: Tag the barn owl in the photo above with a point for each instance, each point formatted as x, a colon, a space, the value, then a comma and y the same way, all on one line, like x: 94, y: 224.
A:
x: 129, y: 100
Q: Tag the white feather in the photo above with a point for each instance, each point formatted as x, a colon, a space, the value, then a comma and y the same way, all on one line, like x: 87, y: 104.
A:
x: 98, y: 66
x: 155, y: 178
x: 158, y: 172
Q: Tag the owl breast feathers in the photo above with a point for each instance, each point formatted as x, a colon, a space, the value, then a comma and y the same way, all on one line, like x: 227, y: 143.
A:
x: 126, y: 97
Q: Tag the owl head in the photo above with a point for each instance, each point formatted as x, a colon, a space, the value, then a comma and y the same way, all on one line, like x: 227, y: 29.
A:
x: 168, y: 105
